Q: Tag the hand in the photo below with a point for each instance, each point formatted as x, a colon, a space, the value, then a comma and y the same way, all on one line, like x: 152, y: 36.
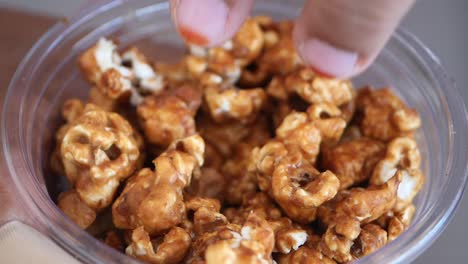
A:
x: 340, y: 38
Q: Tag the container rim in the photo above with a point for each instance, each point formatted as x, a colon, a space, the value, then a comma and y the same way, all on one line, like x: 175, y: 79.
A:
x: 77, y: 242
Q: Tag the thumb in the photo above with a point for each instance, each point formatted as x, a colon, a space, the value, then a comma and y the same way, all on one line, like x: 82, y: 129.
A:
x: 209, y: 22
x: 341, y: 38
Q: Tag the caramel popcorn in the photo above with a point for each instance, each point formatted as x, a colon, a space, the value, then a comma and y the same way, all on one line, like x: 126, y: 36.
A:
x: 170, y: 116
x: 299, y: 188
x: 356, y: 207
x: 171, y: 250
x: 304, y: 132
x: 77, y: 210
x: 311, y: 87
x: 384, y: 116
x: 102, y: 66
x: 353, y: 161
x: 227, y: 104
x: 402, y: 155
x: 371, y: 238
x: 154, y: 200
x: 98, y: 150
x: 245, y: 155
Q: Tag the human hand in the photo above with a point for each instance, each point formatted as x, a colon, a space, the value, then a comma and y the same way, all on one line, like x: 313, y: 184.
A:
x: 340, y: 38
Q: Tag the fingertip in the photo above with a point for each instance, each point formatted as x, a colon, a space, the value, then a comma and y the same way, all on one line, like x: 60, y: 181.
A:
x: 209, y: 22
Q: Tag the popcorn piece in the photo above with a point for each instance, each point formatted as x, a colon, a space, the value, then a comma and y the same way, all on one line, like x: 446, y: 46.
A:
x: 371, y: 238
x: 252, y: 244
x: 353, y: 161
x: 280, y: 56
x: 154, y: 199
x: 384, y: 116
x: 78, y: 211
x: 356, y: 207
x: 299, y: 134
x: 402, y: 155
x: 170, y: 116
x: 400, y: 222
x: 299, y: 188
x: 248, y: 42
x: 264, y: 161
x: 227, y: 104
x: 206, y: 216
x: 305, y: 132
x: 99, y: 149
x: 171, y: 250
x: 396, y: 222
x: 288, y: 236
x: 312, y: 88
x: 146, y: 78
x: 328, y: 120
x: 101, y: 65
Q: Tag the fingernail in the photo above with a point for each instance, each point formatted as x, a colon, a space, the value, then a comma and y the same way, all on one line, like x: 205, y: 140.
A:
x: 201, y: 22
x: 328, y: 60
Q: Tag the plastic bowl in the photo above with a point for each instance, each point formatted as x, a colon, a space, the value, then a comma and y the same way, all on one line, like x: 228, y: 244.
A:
x: 49, y: 74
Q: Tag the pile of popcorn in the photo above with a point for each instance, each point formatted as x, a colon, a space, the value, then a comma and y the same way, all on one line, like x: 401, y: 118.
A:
x: 235, y: 154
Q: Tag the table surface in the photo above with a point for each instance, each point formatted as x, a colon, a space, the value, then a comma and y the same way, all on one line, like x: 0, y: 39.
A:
x: 439, y: 24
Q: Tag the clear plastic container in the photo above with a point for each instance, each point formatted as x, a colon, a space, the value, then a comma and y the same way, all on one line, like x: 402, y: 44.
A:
x: 49, y: 74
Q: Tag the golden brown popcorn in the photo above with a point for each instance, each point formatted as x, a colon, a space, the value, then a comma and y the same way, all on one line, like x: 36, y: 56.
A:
x: 206, y: 216
x: 146, y: 79
x: 299, y: 134
x: 99, y: 149
x: 175, y: 74
x: 355, y: 207
x: 230, y: 103
x: 402, y: 155
x: 77, y: 210
x: 337, y: 241
x: 353, y: 161
x: 264, y: 161
x: 248, y: 42
x: 400, y: 222
x: 366, y: 205
x: 328, y: 120
x: 384, y: 116
x: 170, y: 249
x: 305, y: 255
x: 71, y: 110
x: 299, y: 188
x: 396, y: 222
x: 223, y: 137
x: 371, y: 238
x: 312, y: 88
x: 280, y: 57
x: 252, y: 244
x: 102, y: 66
x: 154, y: 200
x: 305, y: 132
x: 288, y: 235
x: 254, y: 75
x: 169, y: 116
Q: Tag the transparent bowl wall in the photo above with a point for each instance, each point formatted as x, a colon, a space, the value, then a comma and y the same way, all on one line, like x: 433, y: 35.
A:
x: 49, y: 75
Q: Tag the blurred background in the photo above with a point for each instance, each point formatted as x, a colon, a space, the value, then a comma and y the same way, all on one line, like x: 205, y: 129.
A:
x: 441, y: 25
